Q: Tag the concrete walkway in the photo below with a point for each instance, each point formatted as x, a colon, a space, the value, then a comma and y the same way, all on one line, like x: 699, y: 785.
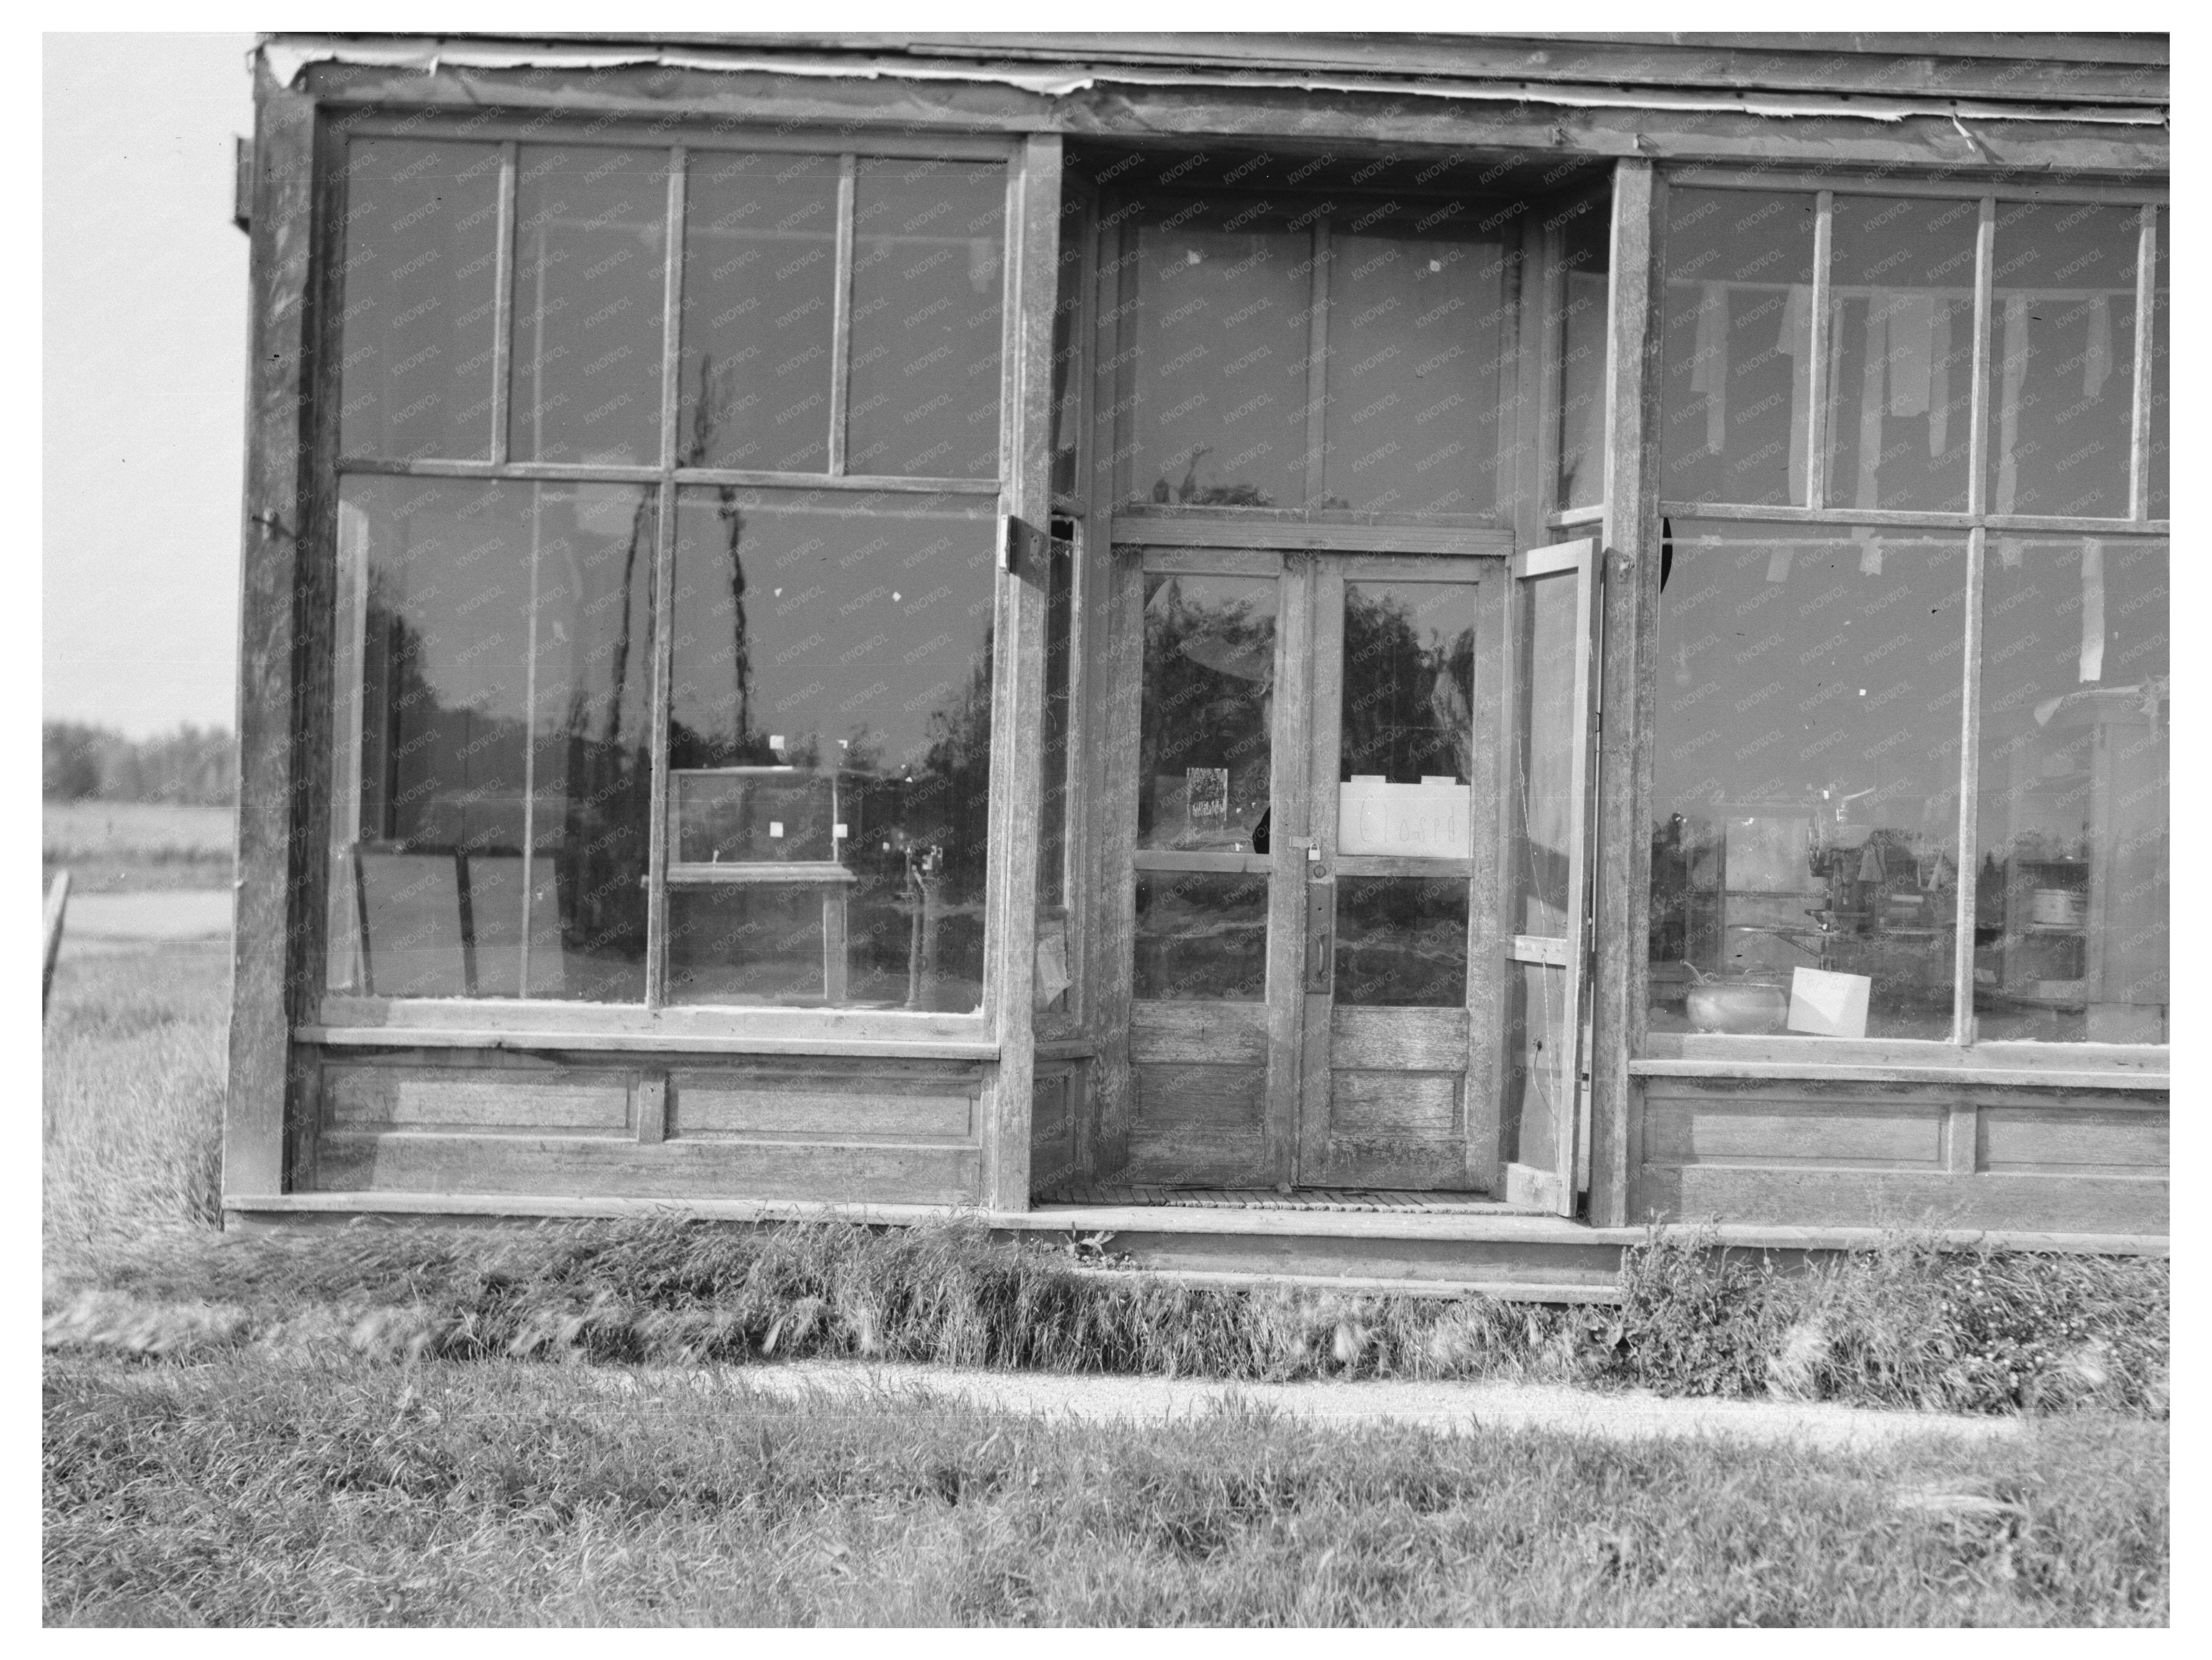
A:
x: 108, y: 921
x: 1449, y: 1408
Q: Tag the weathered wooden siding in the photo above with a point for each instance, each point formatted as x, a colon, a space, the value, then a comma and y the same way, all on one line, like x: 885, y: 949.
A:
x: 675, y: 1128
x: 1854, y: 1154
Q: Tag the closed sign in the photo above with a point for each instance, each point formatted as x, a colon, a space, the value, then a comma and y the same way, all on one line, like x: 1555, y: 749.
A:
x: 1427, y: 820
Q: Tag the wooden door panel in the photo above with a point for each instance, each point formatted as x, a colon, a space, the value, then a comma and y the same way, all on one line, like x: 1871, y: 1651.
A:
x: 1199, y: 1125
x: 1425, y: 1040
x: 1393, y: 1129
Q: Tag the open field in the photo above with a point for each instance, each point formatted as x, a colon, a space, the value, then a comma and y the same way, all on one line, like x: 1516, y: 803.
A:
x: 119, y: 846
x: 356, y: 1426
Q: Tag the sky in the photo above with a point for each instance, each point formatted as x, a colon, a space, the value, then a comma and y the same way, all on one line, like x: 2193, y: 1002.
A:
x: 145, y: 380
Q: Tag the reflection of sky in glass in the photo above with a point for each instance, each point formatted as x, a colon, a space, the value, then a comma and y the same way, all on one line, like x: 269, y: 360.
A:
x: 590, y: 275
x: 826, y: 622
x: 760, y: 264
x: 421, y: 306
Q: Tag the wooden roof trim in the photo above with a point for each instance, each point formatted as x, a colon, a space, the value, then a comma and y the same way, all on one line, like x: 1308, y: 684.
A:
x: 2070, y: 68
x: 288, y: 55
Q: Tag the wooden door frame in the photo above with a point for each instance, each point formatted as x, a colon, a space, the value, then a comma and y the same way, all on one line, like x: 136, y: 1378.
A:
x: 1484, y: 1005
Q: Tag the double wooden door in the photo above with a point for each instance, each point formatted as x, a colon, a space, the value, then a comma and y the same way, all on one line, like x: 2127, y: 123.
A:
x: 1357, y: 856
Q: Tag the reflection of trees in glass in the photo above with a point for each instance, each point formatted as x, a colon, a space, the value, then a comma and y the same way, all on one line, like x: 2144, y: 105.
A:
x: 1208, y: 660
x: 608, y: 798
x: 427, y: 764
x: 1191, y: 493
x: 1406, y: 705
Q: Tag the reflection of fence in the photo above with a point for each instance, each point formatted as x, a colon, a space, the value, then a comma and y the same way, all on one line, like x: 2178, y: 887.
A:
x: 56, y: 908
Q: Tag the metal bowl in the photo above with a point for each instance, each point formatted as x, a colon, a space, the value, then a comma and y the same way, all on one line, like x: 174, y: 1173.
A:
x: 1714, y: 1006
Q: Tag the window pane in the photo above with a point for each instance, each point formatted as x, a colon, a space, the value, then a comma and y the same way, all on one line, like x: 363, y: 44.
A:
x: 2061, y: 358
x: 1901, y: 320
x: 1221, y: 321
x: 1546, y: 650
x: 928, y: 291
x: 1203, y: 768
x: 1408, y: 682
x: 1806, y: 779
x: 2161, y: 394
x: 1584, y: 295
x: 2070, y: 891
x: 421, y: 299
x: 760, y: 286
x: 492, y: 783
x: 1068, y: 379
x: 1055, y: 964
x: 1415, y: 325
x: 1738, y: 390
x: 590, y: 273
x: 1201, y: 937
x: 1401, y: 942
x: 1058, y: 719
x: 831, y: 700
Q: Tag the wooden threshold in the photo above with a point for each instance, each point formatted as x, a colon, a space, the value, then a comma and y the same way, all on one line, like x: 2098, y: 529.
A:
x: 1362, y: 1199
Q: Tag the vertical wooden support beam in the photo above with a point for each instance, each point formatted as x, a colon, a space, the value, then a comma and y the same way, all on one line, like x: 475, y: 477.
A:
x: 2139, y: 422
x: 1969, y: 800
x: 841, y: 314
x: 1816, y: 418
x: 660, y: 627
x: 1630, y: 605
x: 1114, y: 637
x: 1017, y: 715
x: 272, y: 963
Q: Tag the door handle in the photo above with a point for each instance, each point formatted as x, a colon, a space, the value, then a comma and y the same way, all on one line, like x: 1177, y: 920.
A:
x: 1320, y: 938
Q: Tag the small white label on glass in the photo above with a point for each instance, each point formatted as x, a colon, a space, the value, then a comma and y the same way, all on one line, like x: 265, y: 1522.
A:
x: 776, y: 829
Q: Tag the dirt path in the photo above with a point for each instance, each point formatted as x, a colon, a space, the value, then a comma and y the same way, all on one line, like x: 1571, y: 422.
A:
x: 1446, y: 1406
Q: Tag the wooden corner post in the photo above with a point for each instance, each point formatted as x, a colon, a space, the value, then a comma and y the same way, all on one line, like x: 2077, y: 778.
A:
x: 271, y: 951
x: 1622, y: 900
x: 1018, y: 722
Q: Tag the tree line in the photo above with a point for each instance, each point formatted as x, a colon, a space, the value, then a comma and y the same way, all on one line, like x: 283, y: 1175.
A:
x: 195, y: 764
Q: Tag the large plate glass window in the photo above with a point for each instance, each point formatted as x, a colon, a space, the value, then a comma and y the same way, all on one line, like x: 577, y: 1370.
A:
x: 829, y: 749
x: 809, y: 828
x: 1805, y: 782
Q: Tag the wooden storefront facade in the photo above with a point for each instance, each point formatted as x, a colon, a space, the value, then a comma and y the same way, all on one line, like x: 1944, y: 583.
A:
x: 1071, y: 627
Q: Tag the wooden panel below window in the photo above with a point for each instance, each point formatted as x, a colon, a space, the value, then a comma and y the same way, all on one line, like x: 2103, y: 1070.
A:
x: 1831, y: 1153
x: 1783, y: 1131
x: 1847, y: 1198
x: 1198, y: 1125
x: 477, y: 1098
x: 1052, y: 1126
x: 1208, y: 1033
x: 407, y: 1162
x: 1425, y: 1040
x: 837, y: 1107
x: 1393, y: 1129
x: 2062, y: 1141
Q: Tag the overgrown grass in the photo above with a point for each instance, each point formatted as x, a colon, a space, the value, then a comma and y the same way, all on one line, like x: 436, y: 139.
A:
x: 133, y: 1052
x: 256, y: 1493
x: 1912, y: 1326
x: 134, y: 1067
